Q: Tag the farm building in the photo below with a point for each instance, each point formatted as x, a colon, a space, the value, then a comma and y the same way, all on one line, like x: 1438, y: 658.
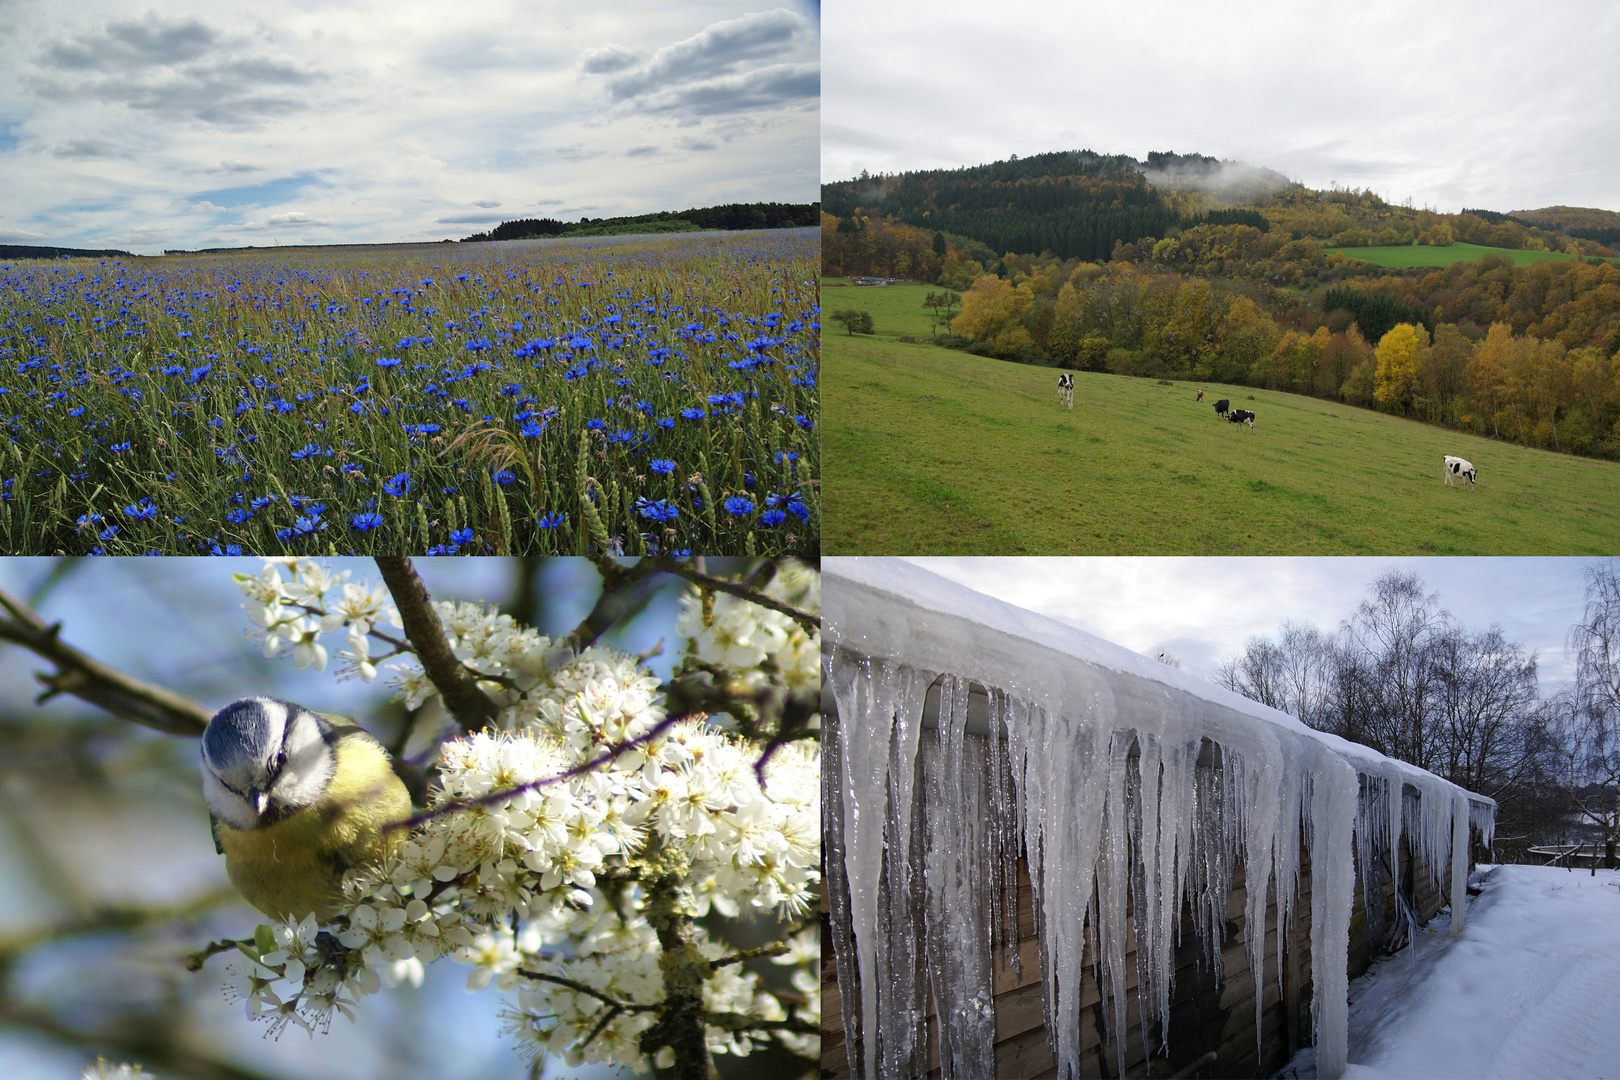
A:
x: 1039, y: 846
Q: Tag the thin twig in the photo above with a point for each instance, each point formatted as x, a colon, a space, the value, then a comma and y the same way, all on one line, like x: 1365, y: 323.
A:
x: 616, y: 581
x: 471, y: 707
x: 744, y: 1022
x: 669, y: 565
x: 608, y: 755
x: 581, y: 988
x: 90, y: 680
x: 743, y: 956
x: 196, y: 960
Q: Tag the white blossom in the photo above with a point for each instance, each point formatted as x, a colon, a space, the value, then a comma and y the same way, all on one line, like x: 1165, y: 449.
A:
x: 528, y: 874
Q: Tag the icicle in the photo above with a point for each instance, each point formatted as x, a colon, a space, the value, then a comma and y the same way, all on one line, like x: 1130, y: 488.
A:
x: 1112, y: 885
x: 1459, y: 860
x: 832, y: 809
x: 957, y: 908
x: 1262, y: 794
x: 1333, y: 811
x: 902, y: 996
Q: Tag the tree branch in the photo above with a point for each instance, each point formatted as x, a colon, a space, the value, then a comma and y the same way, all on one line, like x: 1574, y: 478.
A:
x: 669, y: 565
x: 610, y: 606
x: 471, y: 707
x: 589, y: 991
x: 490, y: 798
x: 90, y: 680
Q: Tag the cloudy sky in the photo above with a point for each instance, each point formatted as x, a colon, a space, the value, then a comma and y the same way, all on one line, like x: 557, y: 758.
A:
x: 1477, y: 103
x: 199, y: 123
x: 1202, y: 610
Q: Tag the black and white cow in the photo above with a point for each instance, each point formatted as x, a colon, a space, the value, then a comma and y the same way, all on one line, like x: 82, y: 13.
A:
x: 1222, y: 405
x: 1066, y: 389
x: 1242, y: 416
x: 1456, y: 466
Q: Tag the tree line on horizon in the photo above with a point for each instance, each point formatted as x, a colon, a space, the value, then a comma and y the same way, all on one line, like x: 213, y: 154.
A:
x: 1402, y: 676
x: 730, y: 217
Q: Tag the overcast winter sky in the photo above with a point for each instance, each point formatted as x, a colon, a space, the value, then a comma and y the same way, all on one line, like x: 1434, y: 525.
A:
x: 1478, y: 103
x: 1204, y: 610
x: 195, y: 123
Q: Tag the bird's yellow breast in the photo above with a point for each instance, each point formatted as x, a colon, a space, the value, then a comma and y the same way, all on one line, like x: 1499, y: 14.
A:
x: 296, y: 866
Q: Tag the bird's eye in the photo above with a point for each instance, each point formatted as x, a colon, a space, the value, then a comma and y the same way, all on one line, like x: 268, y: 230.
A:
x: 281, y: 759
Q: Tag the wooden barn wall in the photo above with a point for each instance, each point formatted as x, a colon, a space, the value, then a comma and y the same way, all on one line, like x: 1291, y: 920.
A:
x: 1204, y: 1014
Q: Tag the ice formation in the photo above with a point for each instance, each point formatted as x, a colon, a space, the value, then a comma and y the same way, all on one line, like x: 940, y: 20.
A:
x: 1125, y: 784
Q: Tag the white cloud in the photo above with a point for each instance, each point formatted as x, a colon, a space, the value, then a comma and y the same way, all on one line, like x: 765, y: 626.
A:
x: 297, y: 114
x: 19, y: 236
x: 1205, y: 609
x: 1450, y: 103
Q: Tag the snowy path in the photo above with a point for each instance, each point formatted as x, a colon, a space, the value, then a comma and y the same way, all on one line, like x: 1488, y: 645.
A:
x: 1530, y: 989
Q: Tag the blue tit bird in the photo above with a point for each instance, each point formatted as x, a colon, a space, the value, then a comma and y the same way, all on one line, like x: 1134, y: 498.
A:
x: 296, y: 798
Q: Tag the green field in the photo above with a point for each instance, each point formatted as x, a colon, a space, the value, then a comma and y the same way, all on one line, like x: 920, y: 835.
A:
x: 1406, y: 255
x: 932, y: 451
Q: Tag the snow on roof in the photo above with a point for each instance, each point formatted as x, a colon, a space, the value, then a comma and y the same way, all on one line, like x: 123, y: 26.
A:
x: 1079, y: 717
x: 906, y: 614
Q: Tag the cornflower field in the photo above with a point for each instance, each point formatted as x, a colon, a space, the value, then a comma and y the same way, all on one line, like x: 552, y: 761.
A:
x: 627, y: 395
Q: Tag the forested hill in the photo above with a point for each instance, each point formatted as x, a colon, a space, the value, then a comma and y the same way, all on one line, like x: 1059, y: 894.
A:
x: 31, y: 251
x: 730, y: 216
x: 1585, y: 222
x: 1075, y: 204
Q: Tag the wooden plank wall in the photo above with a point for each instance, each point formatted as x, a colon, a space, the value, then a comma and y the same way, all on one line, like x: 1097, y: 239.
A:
x: 1204, y: 1014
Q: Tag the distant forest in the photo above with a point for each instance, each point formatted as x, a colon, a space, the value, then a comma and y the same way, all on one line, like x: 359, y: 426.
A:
x: 1074, y: 204
x: 29, y: 251
x: 1187, y: 267
x: 731, y: 216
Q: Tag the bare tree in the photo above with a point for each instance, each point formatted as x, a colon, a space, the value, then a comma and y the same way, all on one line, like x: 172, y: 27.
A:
x: 1394, y: 629
x: 1594, y: 779
x: 1484, y: 696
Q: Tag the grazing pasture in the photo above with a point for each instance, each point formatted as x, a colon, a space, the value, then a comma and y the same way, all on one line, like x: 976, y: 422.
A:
x: 1406, y: 255
x: 931, y: 451
x: 621, y: 394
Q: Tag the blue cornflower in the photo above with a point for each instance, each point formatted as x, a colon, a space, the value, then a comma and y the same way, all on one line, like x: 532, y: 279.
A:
x: 503, y: 477
x: 738, y: 504
x: 666, y: 421
x: 798, y: 509
x: 532, y: 428
x: 228, y: 549
x: 108, y: 533
x: 596, y: 425
x: 662, y: 465
x: 693, y: 414
x: 772, y: 517
x: 399, y: 485
x: 145, y: 510
x: 661, y: 510
x: 387, y: 362
x: 237, y: 516
x: 461, y: 536
x: 304, y: 526
x: 119, y: 448
x: 366, y: 522
x: 787, y: 455
x: 551, y: 520
x: 308, y: 450
x: 263, y: 501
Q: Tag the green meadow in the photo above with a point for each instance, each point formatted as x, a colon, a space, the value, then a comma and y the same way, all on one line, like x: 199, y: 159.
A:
x: 933, y: 451
x: 1405, y: 255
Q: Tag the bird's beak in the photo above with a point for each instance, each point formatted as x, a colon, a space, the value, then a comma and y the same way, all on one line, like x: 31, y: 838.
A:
x: 260, y: 800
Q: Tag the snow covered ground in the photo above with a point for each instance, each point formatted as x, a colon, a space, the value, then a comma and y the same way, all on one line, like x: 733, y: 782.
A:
x: 1530, y: 989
